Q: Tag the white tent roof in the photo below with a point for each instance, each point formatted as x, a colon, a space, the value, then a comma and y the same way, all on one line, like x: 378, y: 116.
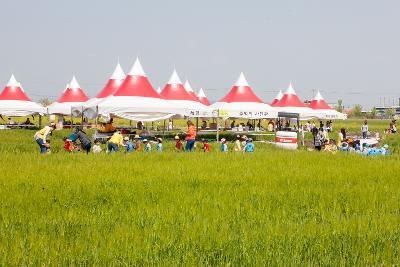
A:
x: 247, y: 110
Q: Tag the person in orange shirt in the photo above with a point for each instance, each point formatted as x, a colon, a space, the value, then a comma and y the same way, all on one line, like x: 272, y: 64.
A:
x: 190, y: 137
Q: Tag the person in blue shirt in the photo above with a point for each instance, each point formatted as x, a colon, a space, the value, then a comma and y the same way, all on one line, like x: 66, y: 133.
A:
x: 159, y: 146
x: 249, y: 148
x: 224, y: 146
x: 129, y: 147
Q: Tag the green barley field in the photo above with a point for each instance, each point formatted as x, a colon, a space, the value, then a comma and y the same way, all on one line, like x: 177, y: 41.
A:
x: 272, y: 207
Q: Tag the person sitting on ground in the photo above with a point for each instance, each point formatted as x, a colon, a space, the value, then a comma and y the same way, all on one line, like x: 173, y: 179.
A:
x: 145, y: 133
x: 138, y: 145
x: 68, y: 146
x: 206, y: 145
x: 115, y: 141
x: 238, y: 144
x: 41, y: 136
x: 147, y: 145
x: 365, y: 149
x: 10, y: 122
x: 233, y: 124
x: 178, y: 144
x: 270, y: 126
x: 224, y: 146
x: 129, y: 147
x: 393, y: 129
x: 204, y: 125
x: 86, y: 144
x: 28, y: 122
x: 244, y: 141
x: 249, y: 147
x: 96, y: 147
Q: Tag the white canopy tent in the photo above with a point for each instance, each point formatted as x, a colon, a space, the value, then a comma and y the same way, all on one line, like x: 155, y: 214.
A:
x: 241, y: 102
x: 15, y: 102
x: 136, y: 99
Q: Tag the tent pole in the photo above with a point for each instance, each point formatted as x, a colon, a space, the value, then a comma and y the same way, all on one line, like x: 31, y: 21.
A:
x: 72, y: 123
x: 82, y: 117
x: 163, y: 131
x: 40, y: 121
x: 197, y: 124
x: 218, y: 127
x: 97, y: 116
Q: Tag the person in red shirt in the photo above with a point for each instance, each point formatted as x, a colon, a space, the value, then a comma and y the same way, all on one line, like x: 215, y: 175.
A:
x: 206, y: 146
x: 178, y: 144
x: 68, y: 146
x: 190, y: 137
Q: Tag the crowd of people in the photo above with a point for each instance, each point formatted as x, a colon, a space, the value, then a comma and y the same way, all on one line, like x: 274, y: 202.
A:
x: 118, y: 141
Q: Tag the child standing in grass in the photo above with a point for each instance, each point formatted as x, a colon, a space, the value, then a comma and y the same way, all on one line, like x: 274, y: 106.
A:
x: 147, y: 145
x: 238, y: 144
x: 138, y: 145
x: 249, y: 147
x: 178, y: 144
x: 206, y: 146
x: 159, y: 146
x: 224, y: 146
x: 128, y: 145
x: 97, y: 148
x: 68, y: 146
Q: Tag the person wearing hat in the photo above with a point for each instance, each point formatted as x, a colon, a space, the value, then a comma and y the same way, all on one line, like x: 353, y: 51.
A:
x: 115, y: 141
x: 129, y: 147
x: 159, y: 146
x: 244, y: 141
x: 41, y: 136
x: 224, y: 146
x: 138, y: 145
x: 249, y: 147
x: 178, y: 144
x: 147, y: 145
x: 238, y: 144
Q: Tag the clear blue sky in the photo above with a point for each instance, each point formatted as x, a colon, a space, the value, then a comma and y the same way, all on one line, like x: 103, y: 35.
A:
x: 347, y: 49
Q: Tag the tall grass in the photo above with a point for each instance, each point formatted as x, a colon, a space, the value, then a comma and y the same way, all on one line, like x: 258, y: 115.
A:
x: 271, y: 207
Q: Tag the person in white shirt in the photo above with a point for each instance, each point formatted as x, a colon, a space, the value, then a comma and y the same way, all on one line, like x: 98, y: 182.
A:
x: 364, y: 129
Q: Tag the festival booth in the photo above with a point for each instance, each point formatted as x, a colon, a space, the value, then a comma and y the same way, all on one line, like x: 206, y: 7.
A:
x: 291, y: 103
x: 15, y: 102
x: 242, y: 102
x: 186, y: 103
x: 326, y: 111
x: 88, y: 109
x: 136, y: 99
x: 203, y: 98
x: 287, y: 137
x: 72, y: 96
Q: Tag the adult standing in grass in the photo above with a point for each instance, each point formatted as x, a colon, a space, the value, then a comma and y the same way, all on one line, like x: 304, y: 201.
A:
x: 41, y: 136
x: 115, y: 141
x: 86, y: 144
x: 364, y: 129
x: 190, y: 136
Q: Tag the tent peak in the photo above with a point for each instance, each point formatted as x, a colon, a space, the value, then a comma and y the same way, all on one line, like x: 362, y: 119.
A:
x: 201, y: 93
x: 174, y: 79
x: 137, y: 69
x: 290, y: 90
x: 241, y: 81
x: 188, y: 86
x: 74, y: 83
x: 118, y: 73
x: 13, y: 82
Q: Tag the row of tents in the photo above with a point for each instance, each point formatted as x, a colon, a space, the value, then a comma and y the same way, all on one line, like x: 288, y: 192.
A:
x: 132, y: 97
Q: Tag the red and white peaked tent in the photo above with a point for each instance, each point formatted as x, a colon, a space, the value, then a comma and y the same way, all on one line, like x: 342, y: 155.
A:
x: 136, y: 99
x: 89, y: 107
x: 187, y: 103
x: 203, y: 98
x: 15, y: 102
x: 291, y: 103
x: 242, y: 102
x: 72, y: 96
x: 189, y: 89
x: 277, y: 98
x: 319, y: 104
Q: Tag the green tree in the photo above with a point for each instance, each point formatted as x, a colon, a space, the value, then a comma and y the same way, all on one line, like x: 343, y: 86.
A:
x: 357, y: 111
x: 45, y: 101
x: 339, y: 106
